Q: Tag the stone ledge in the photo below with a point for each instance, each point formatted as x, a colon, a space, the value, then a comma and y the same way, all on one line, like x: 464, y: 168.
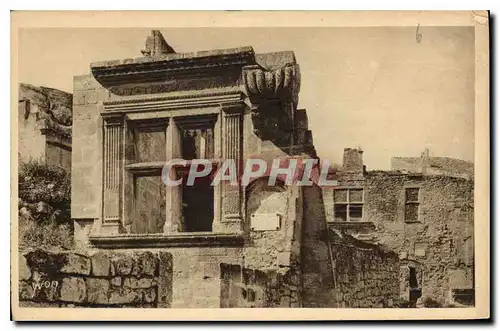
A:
x: 352, y: 225
x: 186, y: 239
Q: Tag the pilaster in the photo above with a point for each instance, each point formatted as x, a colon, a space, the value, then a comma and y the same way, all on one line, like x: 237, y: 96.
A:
x: 113, y: 145
x: 231, y: 218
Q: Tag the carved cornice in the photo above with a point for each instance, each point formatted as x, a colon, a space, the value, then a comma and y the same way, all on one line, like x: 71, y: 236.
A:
x: 170, y: 67
x: 279, y: 83
x: 212, y: 99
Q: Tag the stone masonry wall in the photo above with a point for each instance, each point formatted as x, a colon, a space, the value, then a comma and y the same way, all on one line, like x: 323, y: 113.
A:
x: 441, y: 242
x: 104, y: 279
x: 86, y: 159
x: 250, y: 288
x: 366, y: 276
x: 317, y: 276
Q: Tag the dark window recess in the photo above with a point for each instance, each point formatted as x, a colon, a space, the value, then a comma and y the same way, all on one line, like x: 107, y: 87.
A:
x: 415, y: 290
x: 341, y: 213
x: 250, y: 295
x: 149, y: 204
x: 197, y: 143
x: 348, y: 204
x: 411, y: 212
x: 149, y: 144
x: 413, y: 281
x: 198, y: 205
x: 411, y: 194
x: 464, y: 296
x: 355, y: 212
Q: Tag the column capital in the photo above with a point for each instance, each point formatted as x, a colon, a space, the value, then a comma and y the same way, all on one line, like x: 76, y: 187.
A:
x: 232, y: 108
x: 113, y: 119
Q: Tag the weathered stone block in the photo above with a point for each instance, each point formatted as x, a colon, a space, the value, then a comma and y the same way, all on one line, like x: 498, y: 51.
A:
x: 24, y: 270
x: 85, y: 97
x: 44, y: 262
x: 26, y: 291
x: 73, y: 289
x: 116, y: 281
x: 75, y: 264
x: 84, y: 82
x: 46, y: 290
x: 101, y: 264
x: 149, y: 295
x: 145, y: 264
x: 133, y: 282
x: 124, y: 296
x: 123, y: 265
x: 97, y: 290
x: 165, y: 280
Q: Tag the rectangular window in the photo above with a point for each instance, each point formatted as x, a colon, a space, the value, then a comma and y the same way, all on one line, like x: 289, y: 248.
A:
x: 146, y: 147
x: 149, y: 144
x: 348, y: 204
x: 412, y: 204
x: 197, y: 142
x: 148, y: 201
x: 149, y: 204
x: 198, y: 205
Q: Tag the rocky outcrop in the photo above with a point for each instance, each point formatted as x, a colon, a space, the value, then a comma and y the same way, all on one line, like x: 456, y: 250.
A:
x: 53, y: 107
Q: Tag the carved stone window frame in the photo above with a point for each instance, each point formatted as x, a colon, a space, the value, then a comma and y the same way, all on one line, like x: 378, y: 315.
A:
x: 227, y: 112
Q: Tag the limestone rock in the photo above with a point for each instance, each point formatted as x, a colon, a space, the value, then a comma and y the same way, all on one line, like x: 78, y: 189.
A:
x: 116, y: 281
x: 97, y: 290
x: 26, y: 291
x: 24, y: 270
x: 133, y: 282
x: 124, y: 296
x: 145, y: 264
x: 101, y: 264
x: 123, y: 265
x: 75, y: 264
x: 73, y: 289
x: 149, y: 295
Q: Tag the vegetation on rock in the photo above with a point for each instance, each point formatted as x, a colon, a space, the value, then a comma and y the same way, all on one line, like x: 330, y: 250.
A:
x: 44, y: 206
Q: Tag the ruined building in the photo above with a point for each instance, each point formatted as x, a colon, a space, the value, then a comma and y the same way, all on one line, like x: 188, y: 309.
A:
x: 144, y: 244
x: 424, y: 213
x: 434, y: 165
x: 44, y: 124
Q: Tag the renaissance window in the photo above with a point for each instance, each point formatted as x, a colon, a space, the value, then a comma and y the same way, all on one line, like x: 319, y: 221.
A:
x: 149, y: 202
x: 412, y: 204
x: 146, y: 196
x: 197, y: 136
x: 348, y: 204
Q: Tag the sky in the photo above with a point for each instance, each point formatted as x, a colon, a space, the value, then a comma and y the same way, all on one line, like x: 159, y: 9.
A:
x: 377, y: 88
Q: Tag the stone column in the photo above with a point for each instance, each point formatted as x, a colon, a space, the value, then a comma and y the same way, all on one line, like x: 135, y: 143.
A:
x: 173, y: 222
x: 232, y: 138
x: 113, y: 145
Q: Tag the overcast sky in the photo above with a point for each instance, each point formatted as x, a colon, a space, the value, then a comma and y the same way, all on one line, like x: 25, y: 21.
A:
x: 377, y: 88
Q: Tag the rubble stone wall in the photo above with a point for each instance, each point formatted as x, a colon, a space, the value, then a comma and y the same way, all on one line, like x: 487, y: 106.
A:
x: 440, y: 242
x: 366, y: 276
x: 104, y: 279
x: 250, y: 288
x: 317, y: 276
